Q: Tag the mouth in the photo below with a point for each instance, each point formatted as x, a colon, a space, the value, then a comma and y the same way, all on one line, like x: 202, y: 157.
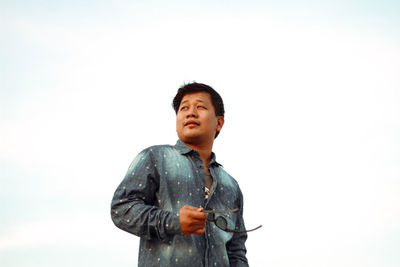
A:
x: 192, y: 123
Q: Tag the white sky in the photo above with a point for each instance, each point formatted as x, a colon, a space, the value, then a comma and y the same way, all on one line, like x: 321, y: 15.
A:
x: 311, y: 91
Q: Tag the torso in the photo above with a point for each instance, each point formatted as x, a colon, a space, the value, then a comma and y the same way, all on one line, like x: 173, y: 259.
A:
x: 208, y: 179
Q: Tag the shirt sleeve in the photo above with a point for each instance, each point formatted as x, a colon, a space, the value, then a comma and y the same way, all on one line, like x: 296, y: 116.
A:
x: 132, y: 207
x: 236, y: 248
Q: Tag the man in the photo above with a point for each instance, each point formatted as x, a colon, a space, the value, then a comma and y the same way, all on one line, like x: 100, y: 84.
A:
x: 168, y: 192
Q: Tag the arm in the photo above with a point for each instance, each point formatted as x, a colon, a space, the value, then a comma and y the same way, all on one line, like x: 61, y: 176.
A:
x: 132, y: 207
x: 236, y: 246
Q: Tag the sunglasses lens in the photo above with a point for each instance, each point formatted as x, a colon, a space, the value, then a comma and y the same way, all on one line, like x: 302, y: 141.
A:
x: 221, y: 223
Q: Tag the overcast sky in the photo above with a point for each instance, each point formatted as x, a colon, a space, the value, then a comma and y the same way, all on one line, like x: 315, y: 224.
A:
x: 312, y: 126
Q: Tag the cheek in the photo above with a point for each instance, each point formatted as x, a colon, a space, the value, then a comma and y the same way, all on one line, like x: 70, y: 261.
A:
x: 212, y: 124
x: 214, y: 121
x: 179, y: 121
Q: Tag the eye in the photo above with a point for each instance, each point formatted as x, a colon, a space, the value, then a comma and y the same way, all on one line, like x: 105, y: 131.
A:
x: 200, y: 106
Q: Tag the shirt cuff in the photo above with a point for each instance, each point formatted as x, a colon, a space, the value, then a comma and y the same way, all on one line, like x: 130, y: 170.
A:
x: 173, y: 225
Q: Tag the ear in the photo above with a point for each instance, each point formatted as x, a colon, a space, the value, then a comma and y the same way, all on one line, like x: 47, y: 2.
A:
x: 220, y: 122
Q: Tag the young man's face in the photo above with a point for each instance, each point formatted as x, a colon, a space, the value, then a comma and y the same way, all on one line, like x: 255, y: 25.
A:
x: 196, y: 122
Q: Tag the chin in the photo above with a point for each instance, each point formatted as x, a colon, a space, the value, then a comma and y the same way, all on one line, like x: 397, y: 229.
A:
x: 191, y: 139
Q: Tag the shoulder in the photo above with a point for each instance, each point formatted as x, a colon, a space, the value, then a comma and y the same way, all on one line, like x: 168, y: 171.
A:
x: 159, y: 152
x: 152, y: 154
x: 159, y: 149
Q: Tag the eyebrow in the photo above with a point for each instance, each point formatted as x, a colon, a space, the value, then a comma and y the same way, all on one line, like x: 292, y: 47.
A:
x: 197, y: 100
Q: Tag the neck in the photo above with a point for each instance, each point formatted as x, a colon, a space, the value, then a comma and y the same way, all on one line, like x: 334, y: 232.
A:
x: 204, y: 151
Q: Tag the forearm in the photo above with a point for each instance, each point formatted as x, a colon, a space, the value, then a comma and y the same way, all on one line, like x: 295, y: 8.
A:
x: 145, y: 221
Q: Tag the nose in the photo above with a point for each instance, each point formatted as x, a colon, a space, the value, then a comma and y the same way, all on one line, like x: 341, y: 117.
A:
x: 192, y: 112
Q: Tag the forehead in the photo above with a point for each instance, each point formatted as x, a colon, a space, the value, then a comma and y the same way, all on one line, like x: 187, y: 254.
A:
x: 197, y: 97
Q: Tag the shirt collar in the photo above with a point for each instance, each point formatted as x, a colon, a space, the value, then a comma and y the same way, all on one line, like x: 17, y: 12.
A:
x: 185, y: 149
x: 182, y: 147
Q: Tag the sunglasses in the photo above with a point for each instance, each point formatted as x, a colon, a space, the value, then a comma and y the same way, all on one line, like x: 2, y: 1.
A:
x: 222, y: 223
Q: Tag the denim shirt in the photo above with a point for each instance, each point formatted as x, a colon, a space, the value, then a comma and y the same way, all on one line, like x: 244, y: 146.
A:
x: 159, y: 182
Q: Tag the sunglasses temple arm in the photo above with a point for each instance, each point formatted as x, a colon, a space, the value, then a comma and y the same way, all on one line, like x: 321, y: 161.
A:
x: 245, y: 231
x: 258, y: 227
x: 220, y: 211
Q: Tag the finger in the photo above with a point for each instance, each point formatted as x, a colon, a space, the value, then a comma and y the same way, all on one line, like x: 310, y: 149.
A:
x: 199, y: 231
x: 196, y: 227
x: 188, y: 207
x: 198, y: 215
x: 197, y: 224
x: 200, y: 224
x: 198, y: 219
x: 189, y: 212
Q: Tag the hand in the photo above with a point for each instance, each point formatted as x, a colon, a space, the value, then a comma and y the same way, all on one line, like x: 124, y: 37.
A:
x: 192, y: 220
